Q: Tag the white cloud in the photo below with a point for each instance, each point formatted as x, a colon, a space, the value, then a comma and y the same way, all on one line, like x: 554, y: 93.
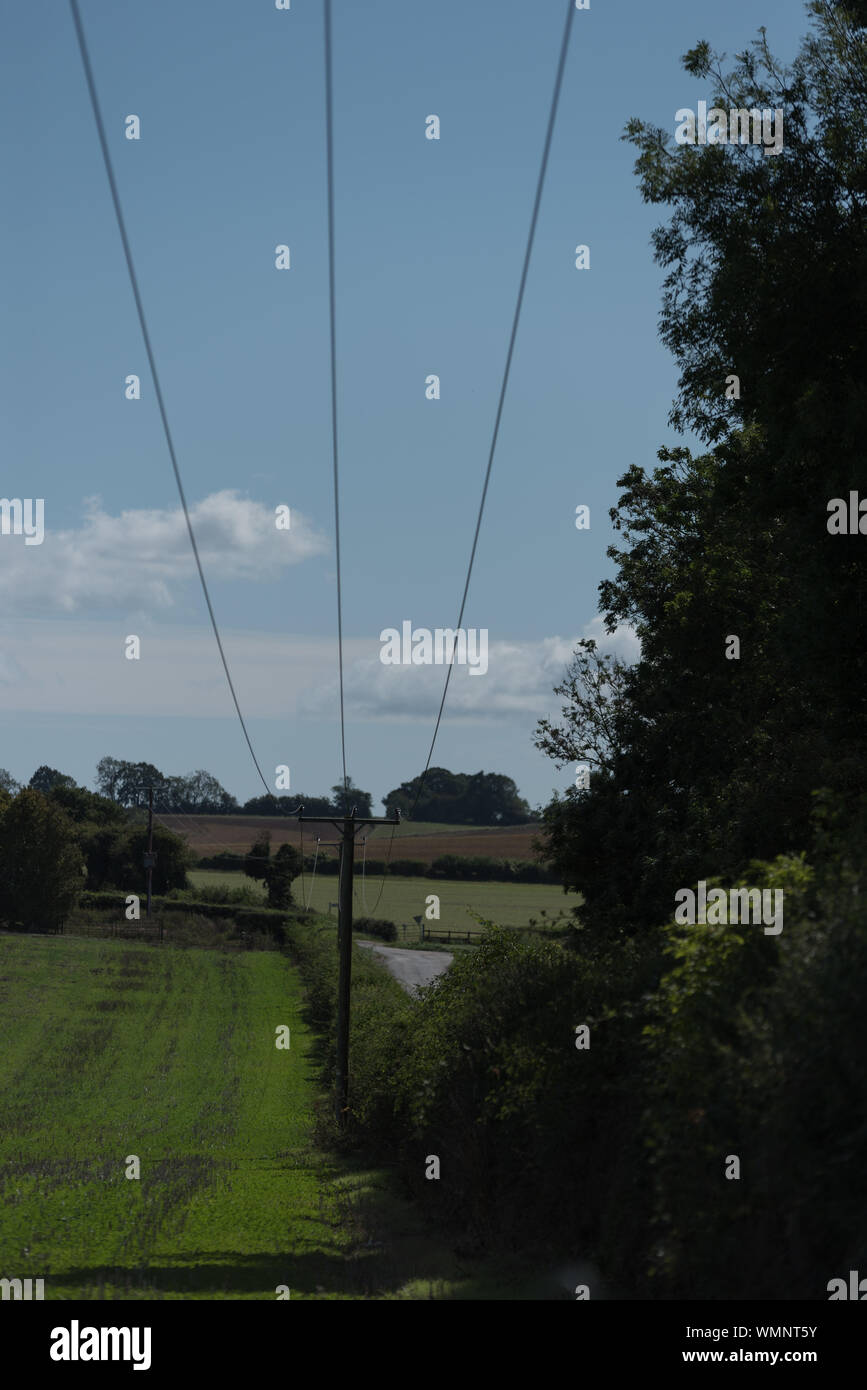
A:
x: 69, y: 666
x: 138, y: 557
x: 72, y: 666
x: 622, y: 643
x: 518, y: 683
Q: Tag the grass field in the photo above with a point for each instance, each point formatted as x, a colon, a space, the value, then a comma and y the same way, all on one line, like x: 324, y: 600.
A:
x: 112, y: 1049
x: 210, y: 835
x: 509, y: 905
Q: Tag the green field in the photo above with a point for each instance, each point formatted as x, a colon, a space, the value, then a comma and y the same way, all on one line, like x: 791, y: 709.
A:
x: 509, y: 905
x: 111, y: 1049
x: 225, y: 878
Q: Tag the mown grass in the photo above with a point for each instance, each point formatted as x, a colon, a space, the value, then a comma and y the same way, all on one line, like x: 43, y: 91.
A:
x: 113, y: 1048
x: 402, y: 899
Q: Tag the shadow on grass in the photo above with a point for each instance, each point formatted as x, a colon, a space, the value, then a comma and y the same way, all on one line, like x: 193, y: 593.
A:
x: 393, y: 1254
x: 418, y: 1259
x: 223, y: 1273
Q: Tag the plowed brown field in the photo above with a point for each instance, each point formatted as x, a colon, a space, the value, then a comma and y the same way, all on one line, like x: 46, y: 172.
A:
x: 209, y: 835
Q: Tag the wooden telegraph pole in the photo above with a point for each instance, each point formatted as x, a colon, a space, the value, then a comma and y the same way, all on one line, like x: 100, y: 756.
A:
x: 150, y: 857
x: 348, y: 827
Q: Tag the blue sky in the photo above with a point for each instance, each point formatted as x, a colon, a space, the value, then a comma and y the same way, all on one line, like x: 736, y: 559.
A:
x: 429, y: 241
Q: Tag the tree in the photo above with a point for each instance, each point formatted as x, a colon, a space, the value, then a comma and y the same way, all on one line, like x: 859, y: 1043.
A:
x: 170, y: 866
x: 197, y: 793
x: 123, y: 781
x: 345, y: 798
x: 441, y: 792
x: 594, y: 689
x: 101, y: 826
x: 45, y: 778
x: 104, y: 854
x: 282, y: 869
x: 108, y: 775
x: 489, y: 798
x: 256, y: 862
x: 41, y: 866
x: 716, y: 754
x: 459, y: 798
x: 81, y: 806
x: 767, y: 279
x: 8, y: 783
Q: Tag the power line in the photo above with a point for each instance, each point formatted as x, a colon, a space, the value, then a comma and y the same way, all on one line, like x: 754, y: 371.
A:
x: 385, y: 870
x: 94, y: 101
x: 558, y: 82
x: 564, y: 46
x: 329, y: 141
x: 333, y: 364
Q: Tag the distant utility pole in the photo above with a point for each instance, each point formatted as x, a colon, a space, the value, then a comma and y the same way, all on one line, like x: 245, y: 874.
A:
x: 348, y: 827
x: 150, y: 857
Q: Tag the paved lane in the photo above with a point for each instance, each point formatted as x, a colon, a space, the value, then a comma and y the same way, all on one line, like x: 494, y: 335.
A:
x: 411, y: 968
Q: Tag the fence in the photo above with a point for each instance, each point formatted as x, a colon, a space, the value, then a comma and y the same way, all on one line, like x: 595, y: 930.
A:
x: 468, y: 936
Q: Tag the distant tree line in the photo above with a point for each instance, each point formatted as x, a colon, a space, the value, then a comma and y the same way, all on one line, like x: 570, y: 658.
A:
x: 454, y: 798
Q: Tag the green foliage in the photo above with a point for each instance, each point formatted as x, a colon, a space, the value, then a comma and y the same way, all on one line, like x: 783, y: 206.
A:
x: 482, y: 1070
x: 279, y: 873
x: 460, y: 798
x: 344, y: 798
x: 457, y: 867
x: 170, y: 868
x: 247, y: 918
x: 123, y: 781
x: 408, y: 868
x: 41, y: 867
x: 380, y: 1010
x: 756, y: 1048
x: 256, y: 862
x: 45, y: 778
x: 87, y: 807
x: 244, y: 894
x: 703, y: 763
x: 226, y: 860
x: 195, y: 793
x: 375, y: 926
x: 704, y: 1042
x: 484, y: 868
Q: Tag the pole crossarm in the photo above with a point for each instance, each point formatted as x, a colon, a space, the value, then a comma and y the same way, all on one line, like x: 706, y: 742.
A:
x: 343, y: 822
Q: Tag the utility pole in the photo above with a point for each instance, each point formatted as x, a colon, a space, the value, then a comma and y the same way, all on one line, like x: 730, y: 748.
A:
x: 150, y: 857
x: 348, y: 827
x: 344, y: 969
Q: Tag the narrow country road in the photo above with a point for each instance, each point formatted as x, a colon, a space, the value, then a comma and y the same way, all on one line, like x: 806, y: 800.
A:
x: 411, y: 968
